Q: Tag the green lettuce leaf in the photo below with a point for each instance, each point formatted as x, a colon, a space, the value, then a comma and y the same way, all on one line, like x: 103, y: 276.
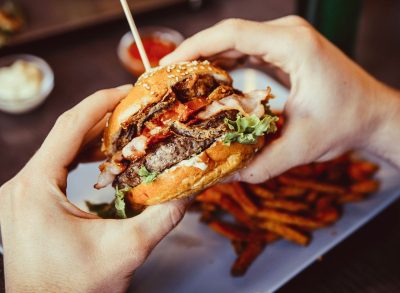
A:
x: 146, y: 176
x: 119, y: 201
x: 246, y: 129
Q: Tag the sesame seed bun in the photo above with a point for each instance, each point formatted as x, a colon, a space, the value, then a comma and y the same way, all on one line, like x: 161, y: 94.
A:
x: 151, y: 88
x: 185, y: 178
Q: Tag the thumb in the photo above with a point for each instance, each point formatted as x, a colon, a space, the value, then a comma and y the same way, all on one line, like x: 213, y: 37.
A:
x: 127, y: 243
x: 154, y: 223
x: 292, y: 149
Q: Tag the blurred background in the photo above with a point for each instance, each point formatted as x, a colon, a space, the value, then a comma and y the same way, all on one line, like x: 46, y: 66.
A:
x: 81, y: 46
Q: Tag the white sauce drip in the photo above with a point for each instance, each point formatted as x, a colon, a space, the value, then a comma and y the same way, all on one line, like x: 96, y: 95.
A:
x: 195, y: 162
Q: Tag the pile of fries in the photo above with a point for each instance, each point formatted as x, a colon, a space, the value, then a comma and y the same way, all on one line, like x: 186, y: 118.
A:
x: 289, y: 206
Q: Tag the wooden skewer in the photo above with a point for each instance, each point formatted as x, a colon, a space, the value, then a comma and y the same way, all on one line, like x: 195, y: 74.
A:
x: 136, y: 35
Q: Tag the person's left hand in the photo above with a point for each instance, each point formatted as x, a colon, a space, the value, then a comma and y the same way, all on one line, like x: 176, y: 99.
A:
x: 50, y: 245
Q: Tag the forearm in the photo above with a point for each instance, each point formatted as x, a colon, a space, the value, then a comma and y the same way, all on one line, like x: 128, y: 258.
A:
x: 384, y: 141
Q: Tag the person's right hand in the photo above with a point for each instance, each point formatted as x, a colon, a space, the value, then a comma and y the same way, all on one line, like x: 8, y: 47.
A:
x: 334, y: 105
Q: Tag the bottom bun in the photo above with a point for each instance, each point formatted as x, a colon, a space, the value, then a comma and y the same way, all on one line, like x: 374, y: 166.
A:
x: 212, y: 165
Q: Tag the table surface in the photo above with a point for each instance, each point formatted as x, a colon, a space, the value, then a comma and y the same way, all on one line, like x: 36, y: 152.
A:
x: 85, y: 62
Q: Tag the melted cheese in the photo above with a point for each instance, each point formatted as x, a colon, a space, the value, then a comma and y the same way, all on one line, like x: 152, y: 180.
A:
x: 249, y: 104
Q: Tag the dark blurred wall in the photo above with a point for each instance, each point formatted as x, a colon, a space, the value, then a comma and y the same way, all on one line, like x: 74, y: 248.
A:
x: 378, y: 40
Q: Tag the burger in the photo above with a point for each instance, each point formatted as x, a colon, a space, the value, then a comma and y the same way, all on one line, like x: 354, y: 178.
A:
x: 182, y: 128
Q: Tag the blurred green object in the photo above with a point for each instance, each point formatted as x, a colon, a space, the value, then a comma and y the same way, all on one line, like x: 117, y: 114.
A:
x: 335, y: 19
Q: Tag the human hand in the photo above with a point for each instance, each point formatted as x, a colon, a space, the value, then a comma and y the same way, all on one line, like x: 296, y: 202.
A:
x: 334, y: 105
x: 52, y: 246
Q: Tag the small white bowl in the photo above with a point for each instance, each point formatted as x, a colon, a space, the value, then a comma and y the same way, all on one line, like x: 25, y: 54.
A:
x: 47, y: 85
x: 163, y: 33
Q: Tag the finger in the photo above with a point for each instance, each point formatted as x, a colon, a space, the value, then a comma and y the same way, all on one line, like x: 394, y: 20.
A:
x: 88, y: 155
x: 297, y: 146
x: 90, y: 150
x: 66, y: 137
x: 289, y: 20
x: 91, y: 154
x: 95, y: 133
x: 250, y: 38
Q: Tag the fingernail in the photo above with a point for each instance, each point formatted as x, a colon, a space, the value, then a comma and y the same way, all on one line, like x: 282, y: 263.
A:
x: 125, y: 88
x: 232, y: 178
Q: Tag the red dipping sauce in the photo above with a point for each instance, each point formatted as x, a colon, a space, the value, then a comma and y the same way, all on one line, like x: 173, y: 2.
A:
x: 155, y: 48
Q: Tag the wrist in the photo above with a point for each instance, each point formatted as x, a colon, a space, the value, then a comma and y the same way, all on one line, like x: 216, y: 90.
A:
x: 383, y: 137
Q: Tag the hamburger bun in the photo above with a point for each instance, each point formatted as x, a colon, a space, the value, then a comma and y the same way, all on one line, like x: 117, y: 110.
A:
x: 206, y: 160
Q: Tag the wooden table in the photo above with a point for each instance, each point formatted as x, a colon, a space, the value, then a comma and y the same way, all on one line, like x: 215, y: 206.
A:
x: 86, y: 61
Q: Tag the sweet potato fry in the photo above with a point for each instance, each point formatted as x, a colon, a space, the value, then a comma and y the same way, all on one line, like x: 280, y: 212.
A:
x: 312, y: 185
x: 368, y: 167
x: 230, y: 231
x: 224, y: 188
x: 286, y: 205
x: 302, y: 171
x: 238, y: 246
x: 210, y: 195
x: 260, y: 191
x: 361, y: 170
x: 290, y: 191
x: 286, y: 232
x: 351, y: 197
x: 245, y: 259
x: 325, y: 201
x: 207, y: 213
x: 328, y: 216
x: 266, y: 237
x: 311, y: 197
x: 366, y: 186
x: 283, y: 217
x: 235, y: 210
x: 238, y: 194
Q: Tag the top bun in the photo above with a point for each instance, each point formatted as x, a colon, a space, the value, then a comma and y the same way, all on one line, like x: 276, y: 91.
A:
x: 150, y: 88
